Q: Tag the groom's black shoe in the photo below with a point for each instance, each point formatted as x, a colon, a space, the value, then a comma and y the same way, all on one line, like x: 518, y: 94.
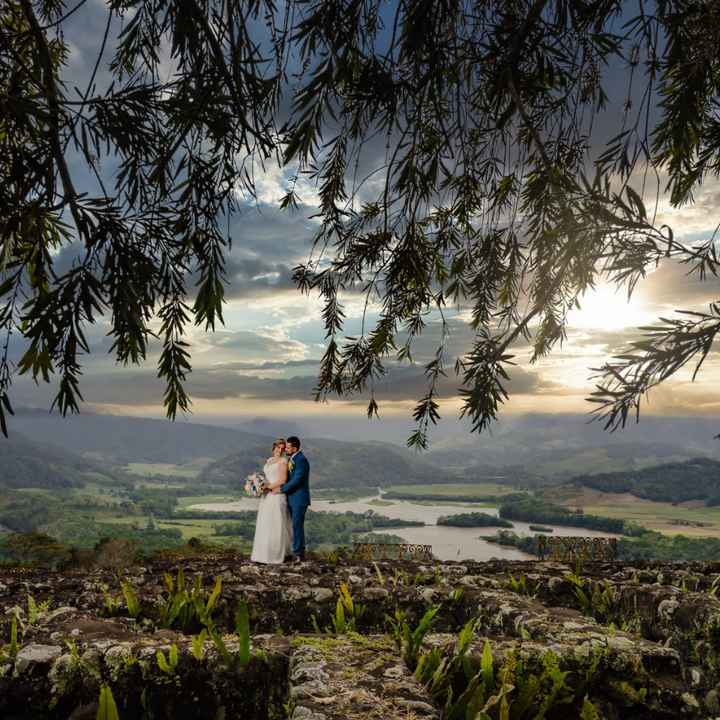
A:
x: 298, y: 558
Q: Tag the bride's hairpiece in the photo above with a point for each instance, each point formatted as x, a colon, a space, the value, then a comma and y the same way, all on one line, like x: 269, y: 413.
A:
x: 279, y: 441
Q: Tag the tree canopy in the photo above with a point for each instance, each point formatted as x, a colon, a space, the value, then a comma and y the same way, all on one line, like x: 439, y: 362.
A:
x: 506, y: 182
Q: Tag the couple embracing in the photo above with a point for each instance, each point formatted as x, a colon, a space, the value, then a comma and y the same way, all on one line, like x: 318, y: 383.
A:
x: 280, y: 525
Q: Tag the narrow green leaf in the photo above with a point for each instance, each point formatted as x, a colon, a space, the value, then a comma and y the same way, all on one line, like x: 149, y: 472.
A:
x: 242, y: 628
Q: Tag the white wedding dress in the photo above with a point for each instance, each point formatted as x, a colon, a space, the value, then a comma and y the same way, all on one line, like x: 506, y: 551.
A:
x: 273, y: 529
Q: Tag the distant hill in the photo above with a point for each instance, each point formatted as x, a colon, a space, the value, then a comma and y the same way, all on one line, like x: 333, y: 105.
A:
x: 558, y: 447
x: 123, y: 440
x: 271, y: 427
x: 336, y: 464
x: 28, y: 464
x: 697, y: 479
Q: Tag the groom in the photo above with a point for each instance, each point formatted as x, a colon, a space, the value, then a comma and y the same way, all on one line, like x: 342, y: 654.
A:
x: 297, y: 489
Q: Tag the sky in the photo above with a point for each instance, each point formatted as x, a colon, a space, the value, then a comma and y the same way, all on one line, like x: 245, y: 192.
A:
x: 263, y: 362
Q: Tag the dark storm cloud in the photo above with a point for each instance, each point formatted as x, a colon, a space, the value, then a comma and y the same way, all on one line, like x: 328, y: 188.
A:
x: 248, y: 275
x: 253, y: 277
x: 281, y: 236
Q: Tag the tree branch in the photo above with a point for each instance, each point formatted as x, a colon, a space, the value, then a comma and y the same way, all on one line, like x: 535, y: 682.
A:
x: 55, y: 113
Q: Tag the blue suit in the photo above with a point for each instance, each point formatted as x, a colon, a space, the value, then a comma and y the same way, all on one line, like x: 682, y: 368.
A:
x: 297, y: 490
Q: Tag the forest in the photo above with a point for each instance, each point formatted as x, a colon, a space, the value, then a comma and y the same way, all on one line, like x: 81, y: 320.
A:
x: 528, y: 508
x: 697, y: 479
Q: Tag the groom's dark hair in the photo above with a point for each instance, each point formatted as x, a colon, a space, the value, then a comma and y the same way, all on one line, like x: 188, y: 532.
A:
x: 294, y: 441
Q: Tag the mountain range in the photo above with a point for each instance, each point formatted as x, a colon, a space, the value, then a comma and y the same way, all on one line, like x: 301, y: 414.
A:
x: 336, y: 464
x: 121, y: 440
x: 559, y: 446
x: 27, y: 464
x: 230, y: 453
x: 525, y: 450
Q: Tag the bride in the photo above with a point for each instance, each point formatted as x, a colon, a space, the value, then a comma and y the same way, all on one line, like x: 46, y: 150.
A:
x: 273, y: 532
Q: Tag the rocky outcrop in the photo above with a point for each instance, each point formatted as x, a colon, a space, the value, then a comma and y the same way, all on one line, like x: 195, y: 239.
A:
x: 608, y: 641
x: 353, y: 677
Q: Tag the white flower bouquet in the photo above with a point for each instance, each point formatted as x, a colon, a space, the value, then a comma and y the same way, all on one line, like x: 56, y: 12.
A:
x: 255, y: 484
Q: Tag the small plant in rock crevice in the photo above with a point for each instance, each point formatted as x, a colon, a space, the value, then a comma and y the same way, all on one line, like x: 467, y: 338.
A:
x: 378, y: 572
x: 36, y: 609
x: 504, y: 689
x: 184, y: 608
x: 111, y: 603
x: 242, y: 631
x: 131, y: 598
x: 198, y: 644
x: 168, y: 664
x: 714, y: 587
x: 11, y: 650
x: 347, y: 613
x: 578, y: 584
x: 519, y: 585
x: 399, y: 578
x: 409, y: 641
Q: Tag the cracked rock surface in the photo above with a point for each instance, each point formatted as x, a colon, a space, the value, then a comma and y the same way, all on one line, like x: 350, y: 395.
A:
x: 637, y: 641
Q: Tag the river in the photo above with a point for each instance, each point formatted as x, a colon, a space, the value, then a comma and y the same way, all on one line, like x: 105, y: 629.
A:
x: 448, y: 543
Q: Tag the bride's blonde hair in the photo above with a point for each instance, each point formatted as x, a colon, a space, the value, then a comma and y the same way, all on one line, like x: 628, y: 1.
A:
x: 279, y: 441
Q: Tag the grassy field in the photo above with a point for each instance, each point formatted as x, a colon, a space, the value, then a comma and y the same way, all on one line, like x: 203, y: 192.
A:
x: 342, y: 493
x: 454, y: 489
x: 188, y: 528
x: 185, y: 502
x: 663, y: 517
x: 191, y: 470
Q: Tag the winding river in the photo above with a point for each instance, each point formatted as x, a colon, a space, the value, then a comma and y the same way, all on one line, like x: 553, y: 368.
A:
x: 448, y: 543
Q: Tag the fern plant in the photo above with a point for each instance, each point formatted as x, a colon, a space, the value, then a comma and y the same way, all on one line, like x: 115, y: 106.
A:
x: 168, y: 664
x: 198, y: 644
x: 13, y: 647
x: 519, y: 585
x: 347, y: 612
x: 713, y: 591
x: 408, y: 641
x: 242, y: 629
x: 578, y: 585
x: 32, y: 610
x: 185, y: 608
x: 508, y: 691
x: 111, y: 603
x: 131, y: 598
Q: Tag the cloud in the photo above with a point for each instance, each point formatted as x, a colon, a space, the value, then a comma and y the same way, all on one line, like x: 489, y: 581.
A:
x: 245, y: 381
x: 276, y: 235
x: 672, y: 287
x: 257, y: 346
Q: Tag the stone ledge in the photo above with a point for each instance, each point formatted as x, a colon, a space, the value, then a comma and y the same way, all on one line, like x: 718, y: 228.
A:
x: 353, y: 677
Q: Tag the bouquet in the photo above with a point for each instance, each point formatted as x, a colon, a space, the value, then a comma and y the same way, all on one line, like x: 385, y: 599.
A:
x: 255, y: 484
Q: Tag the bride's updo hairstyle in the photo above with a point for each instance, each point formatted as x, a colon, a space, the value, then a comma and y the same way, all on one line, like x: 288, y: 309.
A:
x: 277, y: 443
